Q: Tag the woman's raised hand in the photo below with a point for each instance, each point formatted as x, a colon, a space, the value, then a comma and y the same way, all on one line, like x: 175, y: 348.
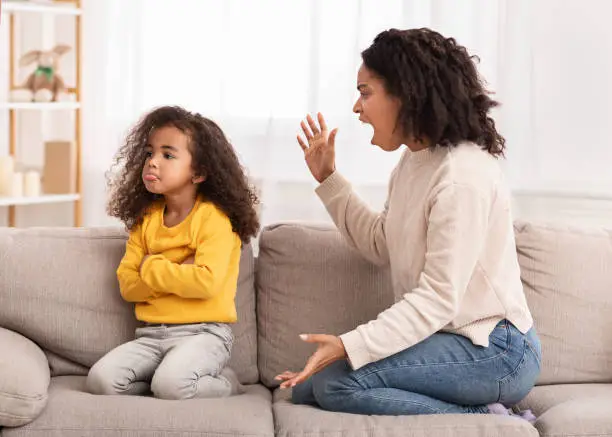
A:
x: 319, y: 147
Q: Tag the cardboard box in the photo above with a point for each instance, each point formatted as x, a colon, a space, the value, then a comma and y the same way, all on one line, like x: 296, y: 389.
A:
x: 59, y: 171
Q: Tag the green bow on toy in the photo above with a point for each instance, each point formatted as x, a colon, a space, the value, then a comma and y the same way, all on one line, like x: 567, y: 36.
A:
x: 47, y: 71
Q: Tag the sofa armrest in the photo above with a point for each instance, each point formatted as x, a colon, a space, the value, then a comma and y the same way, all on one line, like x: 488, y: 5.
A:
x: 24, y: 379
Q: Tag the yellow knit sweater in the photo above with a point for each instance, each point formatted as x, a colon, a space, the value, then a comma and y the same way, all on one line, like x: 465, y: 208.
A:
x: 166, y: 291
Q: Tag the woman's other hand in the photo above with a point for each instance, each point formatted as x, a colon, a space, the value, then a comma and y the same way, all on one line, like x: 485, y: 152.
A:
x: 319, y: 147
x: 330, y: 349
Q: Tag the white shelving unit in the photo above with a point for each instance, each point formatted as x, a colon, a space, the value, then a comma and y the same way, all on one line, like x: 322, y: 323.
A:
x: 10, y: 11
x: 44, y: 8
x: 40, y: 106
x: 38, y: 200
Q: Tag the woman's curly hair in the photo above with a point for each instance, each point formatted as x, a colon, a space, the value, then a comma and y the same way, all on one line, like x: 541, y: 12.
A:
x: 443, y: 98
x: 226, y: 184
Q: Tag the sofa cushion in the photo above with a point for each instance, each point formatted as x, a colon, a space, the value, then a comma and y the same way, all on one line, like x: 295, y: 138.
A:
x: 59, y: 288
x: 572, y: 410
x: 72, y: 412
x: 544, y: 397
x: 309, y: 281
x: 301, y: 420
x: 567, y: 277
x: 24, y: 379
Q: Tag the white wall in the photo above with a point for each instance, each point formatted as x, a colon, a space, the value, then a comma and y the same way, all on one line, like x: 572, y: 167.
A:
x: 559, y: 143
x: 563, y: 166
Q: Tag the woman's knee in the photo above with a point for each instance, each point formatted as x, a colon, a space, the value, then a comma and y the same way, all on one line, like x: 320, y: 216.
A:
x: 329, y: 387
x: 302, y: 393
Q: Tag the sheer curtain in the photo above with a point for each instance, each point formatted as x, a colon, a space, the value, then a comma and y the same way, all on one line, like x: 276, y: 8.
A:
x: 259, y: 67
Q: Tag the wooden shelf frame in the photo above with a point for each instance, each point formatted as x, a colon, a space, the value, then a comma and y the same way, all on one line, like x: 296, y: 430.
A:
x: 69, y: 7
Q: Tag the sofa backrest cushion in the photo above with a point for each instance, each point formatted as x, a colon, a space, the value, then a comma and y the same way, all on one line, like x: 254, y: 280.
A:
x: 309, y: 281
x: 58, y: 287
x: 567, y: 277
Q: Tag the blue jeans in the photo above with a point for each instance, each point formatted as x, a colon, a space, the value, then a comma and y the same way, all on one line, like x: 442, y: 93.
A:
x: 446, y: 373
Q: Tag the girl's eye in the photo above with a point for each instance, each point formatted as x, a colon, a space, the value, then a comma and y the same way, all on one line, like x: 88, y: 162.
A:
x: 148, y: 154
x: 168, y: 156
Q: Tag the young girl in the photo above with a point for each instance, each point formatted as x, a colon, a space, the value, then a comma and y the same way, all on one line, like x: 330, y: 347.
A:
x: 188, y: 206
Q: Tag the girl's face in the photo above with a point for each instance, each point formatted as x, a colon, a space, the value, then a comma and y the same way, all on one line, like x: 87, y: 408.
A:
x: 167, y: 169
x: 379, y: 109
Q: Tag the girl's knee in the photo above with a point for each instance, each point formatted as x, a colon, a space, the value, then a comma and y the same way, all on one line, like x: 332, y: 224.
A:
x: 102, y: 381
x: 170, y: 388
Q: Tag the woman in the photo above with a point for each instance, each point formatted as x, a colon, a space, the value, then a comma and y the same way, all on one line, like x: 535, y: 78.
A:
x: 460, y: 338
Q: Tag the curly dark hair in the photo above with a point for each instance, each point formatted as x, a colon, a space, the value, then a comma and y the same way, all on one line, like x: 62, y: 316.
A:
x: 226, y: 183
x: 443, y: 98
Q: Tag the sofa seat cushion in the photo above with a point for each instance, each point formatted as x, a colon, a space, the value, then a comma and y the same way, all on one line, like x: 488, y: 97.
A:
x: 301, y: 420
x: 572, y: 409
x: 72, y: 412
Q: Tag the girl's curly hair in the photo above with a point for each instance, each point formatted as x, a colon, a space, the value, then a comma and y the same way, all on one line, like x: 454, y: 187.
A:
x: 443, y: 99
x: 226, y: 184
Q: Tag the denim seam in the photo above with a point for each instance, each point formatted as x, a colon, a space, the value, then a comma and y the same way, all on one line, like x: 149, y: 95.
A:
x: 512, y: 374
x: 400, y: 401
x: 535, y: 353
x: 499, y: 355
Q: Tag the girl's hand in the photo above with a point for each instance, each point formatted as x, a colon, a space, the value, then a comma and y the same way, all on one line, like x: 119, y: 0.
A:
x: 319, y: 148
x: 330, y: 348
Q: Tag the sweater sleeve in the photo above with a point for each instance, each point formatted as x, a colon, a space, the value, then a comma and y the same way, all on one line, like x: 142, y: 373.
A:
x: 215, y: 242
x: 363, y: 228
x: 132, y: 288
x: 457, y: 229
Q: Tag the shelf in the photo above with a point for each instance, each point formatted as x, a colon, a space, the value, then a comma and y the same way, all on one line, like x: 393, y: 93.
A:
x: 40, y: 200
x: 43, y: 8
x: 40, y: 106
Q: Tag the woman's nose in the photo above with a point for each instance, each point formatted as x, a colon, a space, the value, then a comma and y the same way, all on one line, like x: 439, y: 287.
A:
x: 357, y: 107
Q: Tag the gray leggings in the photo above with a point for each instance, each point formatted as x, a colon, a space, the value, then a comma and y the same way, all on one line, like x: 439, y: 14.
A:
x: 172, y: 361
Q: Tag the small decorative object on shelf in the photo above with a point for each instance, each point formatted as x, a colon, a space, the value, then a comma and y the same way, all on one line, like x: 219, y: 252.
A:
x: 7, y: 168
x: 31, y: 184
x: 59, y: 170
x: 17, y: 186
x: 44, y: 84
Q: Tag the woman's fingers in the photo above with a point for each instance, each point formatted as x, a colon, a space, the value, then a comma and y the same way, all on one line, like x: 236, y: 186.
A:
x: 302, y: 143
x: 322, y: 122
x: 306, y: 131
x: 332, y: 138
x: 313, y: 125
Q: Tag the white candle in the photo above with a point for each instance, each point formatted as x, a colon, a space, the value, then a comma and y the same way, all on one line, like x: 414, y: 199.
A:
x: 17, y: 185
x: 31, y: 184
x: 7, y: 165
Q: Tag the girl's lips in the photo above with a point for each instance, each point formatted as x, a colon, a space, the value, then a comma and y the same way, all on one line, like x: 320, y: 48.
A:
x: 150, y: 178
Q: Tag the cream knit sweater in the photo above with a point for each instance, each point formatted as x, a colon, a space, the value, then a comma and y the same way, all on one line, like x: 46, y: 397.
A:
x: 447, y: 232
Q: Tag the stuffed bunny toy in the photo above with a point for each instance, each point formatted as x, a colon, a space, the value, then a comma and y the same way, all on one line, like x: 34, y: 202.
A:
x: 44, y: 84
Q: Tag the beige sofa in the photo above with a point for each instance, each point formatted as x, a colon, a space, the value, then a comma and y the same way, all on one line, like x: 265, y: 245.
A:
x: 60, y: 311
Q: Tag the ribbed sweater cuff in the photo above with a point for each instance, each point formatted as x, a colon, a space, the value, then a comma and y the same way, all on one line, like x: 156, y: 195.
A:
x: 358, y: 354
x: 331, y: 186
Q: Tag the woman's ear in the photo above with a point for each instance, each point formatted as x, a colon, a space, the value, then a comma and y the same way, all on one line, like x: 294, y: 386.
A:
x: 198, y: 179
